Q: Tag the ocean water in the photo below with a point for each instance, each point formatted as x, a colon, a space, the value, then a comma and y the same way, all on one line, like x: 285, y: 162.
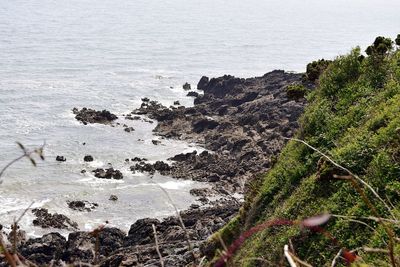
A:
x: 108, y: 54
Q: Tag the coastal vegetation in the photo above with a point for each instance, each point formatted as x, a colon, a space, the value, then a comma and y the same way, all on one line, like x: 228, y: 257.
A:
x: 315, y: 69
x: 342, y: 164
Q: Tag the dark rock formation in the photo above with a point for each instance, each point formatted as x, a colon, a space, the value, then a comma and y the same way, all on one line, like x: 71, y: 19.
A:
x: 82, y: 205
x: 61, y: 158
x: 81, y: 246
x: 129, y: 129
x: 159, y: 166
x: 201, y: 125
x: 201, y: 192
x: 203, y: 83
x: 156, y: 142
x: 45, y: 249
x: 138, y: 159
x: 87, y: 115
x: 184, y: 156
x: 88, y: 158
x: 132, y: 118
x: 113, y: 198
x: 45, y: 219
x: 141, y: 232
x: 143, y: 167
x: 192, y: 93
x: 149, y: 108
x: 186, y: 86
x: 109, y: 173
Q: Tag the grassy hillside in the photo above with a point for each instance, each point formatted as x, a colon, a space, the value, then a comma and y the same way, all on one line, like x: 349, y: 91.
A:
x: 354, y: 118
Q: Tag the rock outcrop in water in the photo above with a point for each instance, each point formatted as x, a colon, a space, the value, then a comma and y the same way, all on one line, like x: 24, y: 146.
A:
x: 45, y: 219
x: 186, y: 86
x: 88, y: 158
x: 87, y: 115
x: 82, y: 205
x: 61, y: 158
x: 109, y: 173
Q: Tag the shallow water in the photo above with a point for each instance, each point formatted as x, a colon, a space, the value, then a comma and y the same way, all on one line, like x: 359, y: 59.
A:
x: 56, y: 55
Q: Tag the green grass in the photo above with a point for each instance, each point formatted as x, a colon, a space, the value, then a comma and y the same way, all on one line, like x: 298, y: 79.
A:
x: 354, y: 117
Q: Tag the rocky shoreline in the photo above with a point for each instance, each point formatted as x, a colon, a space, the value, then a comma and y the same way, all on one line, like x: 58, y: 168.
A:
x: 240, y: 123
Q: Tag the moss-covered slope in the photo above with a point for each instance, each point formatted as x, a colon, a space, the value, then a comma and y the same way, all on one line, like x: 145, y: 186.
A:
x: 354, y: 117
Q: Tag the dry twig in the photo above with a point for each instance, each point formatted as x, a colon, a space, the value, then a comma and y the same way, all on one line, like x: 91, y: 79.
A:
x: 157, y: 246
x: 336, y: 258
x: 289, y: 257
